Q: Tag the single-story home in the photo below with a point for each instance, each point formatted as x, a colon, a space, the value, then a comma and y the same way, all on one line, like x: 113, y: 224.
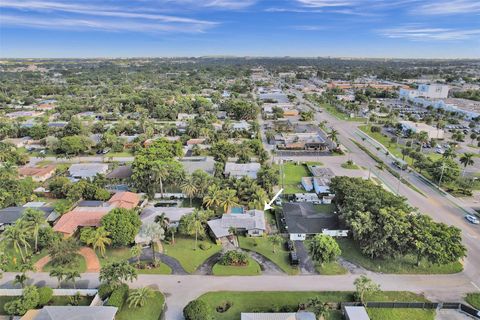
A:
x: 192, y: 164
x: 125, y: 200
x: 71, y: 313
x: 251, y: 221
x: 121, y: 172
x: 321, y: 185
x: 307, y: 183
x: 37, y: 174
x: 356, y: 313
x: 303, y: 219
x: 307, y: 197
x: 10, y: 215
x: 238, y: 170
x: 279, y: 316
x: 87, y: 170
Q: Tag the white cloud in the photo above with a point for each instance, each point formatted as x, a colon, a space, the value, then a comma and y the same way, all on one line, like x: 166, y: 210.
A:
x: 218, y: 4
x: 308, y: 28
x: 423, y: 33
x: 443, y: 7
x: 326, y: 3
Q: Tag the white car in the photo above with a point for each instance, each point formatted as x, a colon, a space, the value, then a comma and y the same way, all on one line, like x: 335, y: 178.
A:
x: 472, y: 219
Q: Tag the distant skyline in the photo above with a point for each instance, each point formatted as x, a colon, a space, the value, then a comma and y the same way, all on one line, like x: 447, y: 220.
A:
x: 167, y: 28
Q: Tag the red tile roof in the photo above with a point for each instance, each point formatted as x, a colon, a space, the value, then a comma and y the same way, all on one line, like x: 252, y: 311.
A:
x: 36, y: 172
x: 126, y: 200
x: 80, y: 217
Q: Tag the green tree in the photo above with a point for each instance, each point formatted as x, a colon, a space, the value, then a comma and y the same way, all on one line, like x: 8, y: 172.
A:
x: 275, y: 240
x: 29, y: 300
x: 16, y: 235
x: 123, y: 225
x: 467, y: 160
x: 99, y: 239
x: 228, y: 199
x: 71, y: 276
x: 58, y: 273
x: 138, y: 297
x: 198, y: 310
x: 213, y: 197
x: 189, y: 188
x: 324, y: 249
x: 64, y: 252
x: 116, y: 273
x: 20, y: 279
x: 155, y: 234
x: 364, y: 285
x: 34, y: 220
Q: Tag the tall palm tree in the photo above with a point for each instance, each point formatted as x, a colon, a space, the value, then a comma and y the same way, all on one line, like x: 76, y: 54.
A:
x: 20, y: 279
x: 449, y: 153
x: 259, y: 197
x: 34, y: 220
x: 71, y: 276
x: 162, y: 220
x: 159, y: 174
x: 189, y: 188
x: 422, y: 138
x: 99, y: 240
x: 228, y: 199
x: 467, y: 160
x: 16, y: 235
x: 333, y: 135
x: 136, y: 251
x: 58, y: 273
x: 138, y: 297
x: 155, y: 234
x: 212, y: 198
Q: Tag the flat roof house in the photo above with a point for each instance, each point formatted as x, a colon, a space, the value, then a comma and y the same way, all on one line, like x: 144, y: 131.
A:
x: 238, y: 170
x: 72, y: 313
x: 252, y: 221
x: 303, y: 219
x: 10, y: 215
x: 192, y: 164
x: 356, y: 313
x: 87, y: 170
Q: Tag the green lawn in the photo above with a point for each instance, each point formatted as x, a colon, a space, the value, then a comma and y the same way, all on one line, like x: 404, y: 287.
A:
x: 162, y: 269
x: 474, y: 299
x: 331, y: 268
x: 406, y: 264
x: 150, y: 311
x: 114, y: 255
x: 80, y: 265
x: 252, y: 269
x: 293, y: 177
x: 263, y: 246
x: 400, y: 314
x: 14, y: 259
x: 274, y: 301
x: 56, y: 301
x: 338, y: 114
x: 190, y: 258
x: 351, y: 166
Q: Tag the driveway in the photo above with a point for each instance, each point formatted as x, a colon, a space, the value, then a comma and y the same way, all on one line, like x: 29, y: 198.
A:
x: 306, y: 265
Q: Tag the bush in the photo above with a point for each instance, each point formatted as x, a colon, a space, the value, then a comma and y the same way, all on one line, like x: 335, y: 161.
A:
x: 118, y: 297
x: 234, y: 258
x: 197, y: 310
x: 45, y: 295
x: 105, y: 290
x: 375, y: 129
x: 205, y: 246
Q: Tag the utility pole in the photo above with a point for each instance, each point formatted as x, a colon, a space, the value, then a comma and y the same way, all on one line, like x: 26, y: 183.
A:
x: 441, y: 175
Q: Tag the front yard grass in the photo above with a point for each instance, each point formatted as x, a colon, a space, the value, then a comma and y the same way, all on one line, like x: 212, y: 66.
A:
x: 262, y: 246
x: 274, y: 301
x: 400, y: 314
x: 401, y: 265
x: 190, y: 257
x: 114, y: 255
x: 293, y: 175
x: 79, y: 265
x: 473, y: 299
x: 152, y: 309
x: 251, y: 269
x: 331, y: 268
x: 14, y: 260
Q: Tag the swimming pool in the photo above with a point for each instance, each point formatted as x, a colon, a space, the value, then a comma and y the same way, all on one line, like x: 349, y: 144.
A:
x: 236, y: 210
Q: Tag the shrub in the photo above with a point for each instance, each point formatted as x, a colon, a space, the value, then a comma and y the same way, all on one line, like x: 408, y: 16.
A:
x: 197, y: 310
x: 205, y: 246
x: 118, y: 296
x: 375, y: 129
x: 234, y: 258
x: 45, y: 295
x: 105, y: 290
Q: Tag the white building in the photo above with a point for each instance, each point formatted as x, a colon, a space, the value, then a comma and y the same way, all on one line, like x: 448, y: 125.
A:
x: 433, y: 132
x: 433, y: 91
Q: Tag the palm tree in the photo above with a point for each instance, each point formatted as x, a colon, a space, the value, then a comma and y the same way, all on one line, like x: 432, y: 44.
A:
x: 162, y: 220
x: 212, y: 199
x: 228, y: 199
x: 71, y: 276
x: 196, y: 226
x: 34, y: 220
x: 333, y: 135
x: 20, y: 279
x: 275, y: 240
x: 467, y: 160
x: 16, y: 235
x: 58, y: 273
x: 159, y: 174
x: 259, y: 197
x: 155, y: 234
x: 136, y: 251
x: 189, y: 188
x: 449, y: 153
x: 99, y: 240
x: 138, y: 297
x: 172, y: 230
x: 422, y: 138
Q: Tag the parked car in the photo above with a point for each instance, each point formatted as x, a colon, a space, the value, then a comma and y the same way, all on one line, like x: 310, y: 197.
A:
x: 289, y: 245
x: 472, y: 219
x: 293, y: 258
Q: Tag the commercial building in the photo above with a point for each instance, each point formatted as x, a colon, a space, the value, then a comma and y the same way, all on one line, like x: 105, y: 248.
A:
x: 433, y: 132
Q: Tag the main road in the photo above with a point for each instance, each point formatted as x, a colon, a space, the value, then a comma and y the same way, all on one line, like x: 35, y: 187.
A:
x: 433, y: 202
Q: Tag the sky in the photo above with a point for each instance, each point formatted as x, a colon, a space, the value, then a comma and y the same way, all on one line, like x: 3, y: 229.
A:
x: 188, y: 28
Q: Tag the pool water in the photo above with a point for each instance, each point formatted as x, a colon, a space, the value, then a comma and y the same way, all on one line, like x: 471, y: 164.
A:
x: 236, y: 210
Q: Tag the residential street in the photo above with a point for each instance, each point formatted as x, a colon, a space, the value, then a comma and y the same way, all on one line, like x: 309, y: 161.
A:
x: 180, y: 289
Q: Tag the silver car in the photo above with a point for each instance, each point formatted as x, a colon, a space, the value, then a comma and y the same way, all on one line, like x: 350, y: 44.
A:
x: 472, y: 219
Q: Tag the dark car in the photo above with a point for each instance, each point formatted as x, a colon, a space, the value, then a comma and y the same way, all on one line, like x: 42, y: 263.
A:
x: 293, y: 258
x: 289, y: 245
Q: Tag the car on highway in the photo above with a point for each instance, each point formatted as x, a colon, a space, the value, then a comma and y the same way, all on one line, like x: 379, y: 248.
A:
x: 472, y: 219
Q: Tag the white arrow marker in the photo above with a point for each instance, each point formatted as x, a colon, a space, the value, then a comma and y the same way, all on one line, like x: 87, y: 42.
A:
x: 268, y: 206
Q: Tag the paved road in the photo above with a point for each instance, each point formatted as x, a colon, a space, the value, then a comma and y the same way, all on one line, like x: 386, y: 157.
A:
x: 435, y: 204
x: 180, y: 289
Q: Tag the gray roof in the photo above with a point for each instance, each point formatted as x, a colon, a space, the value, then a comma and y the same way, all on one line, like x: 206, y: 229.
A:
x: 121, y: 172
x: 356, y: 313
x: 250, y: 220
x: 242, y: 169
x: 301, y: 217
x: 11, y: 214
x: 76, y: 313
x: 279, y: 316
x: 87, y: 170
x: 92, y: 203
x: 191, y: 164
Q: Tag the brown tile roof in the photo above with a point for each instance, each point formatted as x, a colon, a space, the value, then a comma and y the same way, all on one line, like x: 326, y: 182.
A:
x: 126, y: 200
x: 36, y: 172
x: 80, y: 217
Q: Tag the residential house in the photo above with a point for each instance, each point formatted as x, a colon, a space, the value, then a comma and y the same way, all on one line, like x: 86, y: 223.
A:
x: 307, y: 197
x: 18, y: 142
x: 301, y: 315
x: 72, y: 313
x: 355, y: 313
x: 121, y: 172
x: 251, y: 221
x: 185, y: 116
x: 87, y: 170
x: 303, y: 219
x: 241, y: 126
x: 307, y: 183
x: 238, y: 170
x: 125, y: 200
x: 192, y: 164
x: 10, y: 215
x: 37, y: 174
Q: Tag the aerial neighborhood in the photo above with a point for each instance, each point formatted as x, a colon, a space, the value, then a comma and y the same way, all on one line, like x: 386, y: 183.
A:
x: 238, y: 188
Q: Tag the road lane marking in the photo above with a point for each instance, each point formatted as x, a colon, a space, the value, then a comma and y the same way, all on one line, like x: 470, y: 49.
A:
x: 478, y: 288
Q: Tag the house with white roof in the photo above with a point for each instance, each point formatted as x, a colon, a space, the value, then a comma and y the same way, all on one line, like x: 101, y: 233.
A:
x: 252, y: 221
